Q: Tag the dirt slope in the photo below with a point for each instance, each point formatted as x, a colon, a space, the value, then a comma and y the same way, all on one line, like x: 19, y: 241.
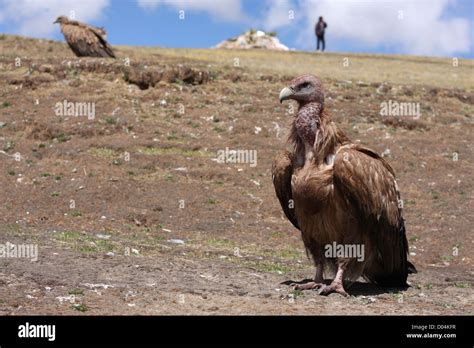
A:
x: 133, y: 214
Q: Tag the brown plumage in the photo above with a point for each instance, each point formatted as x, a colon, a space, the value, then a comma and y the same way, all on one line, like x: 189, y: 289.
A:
x: 335, y: 191
x: 85, y: 40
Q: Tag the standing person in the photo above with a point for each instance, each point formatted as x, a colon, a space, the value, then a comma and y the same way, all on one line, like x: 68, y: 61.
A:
x: 319, y: 31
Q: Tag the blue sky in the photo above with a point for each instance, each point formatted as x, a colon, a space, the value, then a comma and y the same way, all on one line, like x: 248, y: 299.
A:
x: 423, y: 27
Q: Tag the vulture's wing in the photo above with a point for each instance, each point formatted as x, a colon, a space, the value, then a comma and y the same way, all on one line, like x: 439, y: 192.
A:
x: 86, y: 41
x: 368, y: 183
x: 282, y: 171
x: 100, y: 31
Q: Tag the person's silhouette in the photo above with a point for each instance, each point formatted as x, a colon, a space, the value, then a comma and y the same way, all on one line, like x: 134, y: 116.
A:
x: 319, y: 31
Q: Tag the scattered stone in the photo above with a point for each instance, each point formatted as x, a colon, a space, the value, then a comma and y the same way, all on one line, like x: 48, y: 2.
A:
x: 135, y: 251
x: 175, y: 241
x: 386, y: 153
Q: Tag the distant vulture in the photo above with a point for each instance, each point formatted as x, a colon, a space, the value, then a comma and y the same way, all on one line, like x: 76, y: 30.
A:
x: 341, y: 196
x: 85, y: 40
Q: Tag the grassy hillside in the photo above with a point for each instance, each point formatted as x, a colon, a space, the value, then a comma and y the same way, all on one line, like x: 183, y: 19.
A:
x: 107, y: 198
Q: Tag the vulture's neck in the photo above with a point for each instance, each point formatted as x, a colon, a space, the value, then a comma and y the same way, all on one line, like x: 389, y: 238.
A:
x: 315, y: 139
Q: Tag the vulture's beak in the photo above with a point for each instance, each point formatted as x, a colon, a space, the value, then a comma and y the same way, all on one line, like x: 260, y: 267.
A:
x: 56, y: 21
x: 286, y: 93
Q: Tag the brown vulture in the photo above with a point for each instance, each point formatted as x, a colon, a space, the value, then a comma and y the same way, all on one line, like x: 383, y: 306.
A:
x: 85, y: 40
x: 338, y: 193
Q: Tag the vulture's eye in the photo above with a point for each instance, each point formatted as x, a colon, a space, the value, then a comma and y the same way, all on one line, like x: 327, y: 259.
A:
x: 305, y: 85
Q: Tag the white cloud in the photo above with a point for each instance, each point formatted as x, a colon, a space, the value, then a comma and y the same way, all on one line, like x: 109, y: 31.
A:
x: 35, y: 17
x: 224, y: 10
x: 424, y: 28
x: 277, y: 14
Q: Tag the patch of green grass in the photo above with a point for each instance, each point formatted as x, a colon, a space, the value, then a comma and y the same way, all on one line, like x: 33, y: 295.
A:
x: 76, y: 213
x: 84, y: 243
x: 434, y: 194
x: 69, y: 236
x: 172, y: 136
x: 221, y: 243
x: 159, y: 238
x: 97, y: 246
x: 62, y: 137
x: 288, y: 254
x: 173, y: 151
x: 102, y: 152
x: 461, y: 285
x: 297, y: 293
x: 11, y: 172
x: 219, y: 129
x: 447, y: 258
x: 193, y: 124
x: 110, y: 120
x: 211, y: 201
x: 80, y: 307
x: 428, y: 286
x: 76, y: 292
x: 277, y: 234
x: 8, y: 145
x: 268, y: 266
x: 397, y: 295
x: 14, y: 229
x: 414, y: 238
x: 55, y: 194
x: 6, y: 104
x: 45, y: 175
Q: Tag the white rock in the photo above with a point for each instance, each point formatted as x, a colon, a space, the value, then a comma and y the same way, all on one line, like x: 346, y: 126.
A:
x: 175, y: 241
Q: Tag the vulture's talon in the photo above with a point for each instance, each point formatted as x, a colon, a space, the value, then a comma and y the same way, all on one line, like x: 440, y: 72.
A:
x: 307, y: 286
x: 329, y: 289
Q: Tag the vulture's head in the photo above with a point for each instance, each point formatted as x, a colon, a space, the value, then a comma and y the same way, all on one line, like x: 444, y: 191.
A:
x: 304, y: 89
x: 61, y: 20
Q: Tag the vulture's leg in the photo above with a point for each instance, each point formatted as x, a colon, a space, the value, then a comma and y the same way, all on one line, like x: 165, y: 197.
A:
x: 336, y: 284
x: 318, y: 280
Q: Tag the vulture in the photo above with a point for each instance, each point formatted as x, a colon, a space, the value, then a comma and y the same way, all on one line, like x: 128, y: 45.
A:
x: 85, y: 40
x: 339, y: 194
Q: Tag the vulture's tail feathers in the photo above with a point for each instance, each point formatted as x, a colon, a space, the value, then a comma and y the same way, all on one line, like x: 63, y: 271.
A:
x: 396, y: 266
x: 411, y: 268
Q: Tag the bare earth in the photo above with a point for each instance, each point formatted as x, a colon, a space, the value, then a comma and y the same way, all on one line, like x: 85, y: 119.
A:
x: 104, y: 198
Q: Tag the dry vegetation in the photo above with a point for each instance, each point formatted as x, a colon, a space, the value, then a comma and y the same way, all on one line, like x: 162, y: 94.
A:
x: 168, y: 230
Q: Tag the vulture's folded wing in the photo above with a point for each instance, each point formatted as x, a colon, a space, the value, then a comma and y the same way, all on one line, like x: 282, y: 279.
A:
x: 86, y: 42
x: 101, y: 35
x: 368, y: 183
x: 282, y: 171
x: 99, y: 31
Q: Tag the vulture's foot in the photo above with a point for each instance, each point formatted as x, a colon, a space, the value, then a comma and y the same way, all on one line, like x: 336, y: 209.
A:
x: 333, y: 287
x: 307, y: 286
